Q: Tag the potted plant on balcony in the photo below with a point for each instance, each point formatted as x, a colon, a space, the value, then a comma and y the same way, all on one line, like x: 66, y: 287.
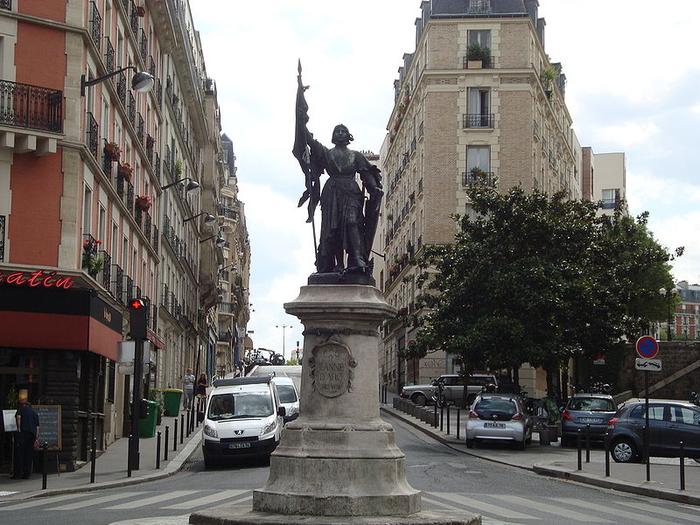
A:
x: 143, y: 202
x: 547, y: 77
x: 178, y: 169
x: 125, y: 170
x: 477, y: 56
x: 140, y: 11
x: 112, y: 151
x: 477, y: 174
x: 91, y: 262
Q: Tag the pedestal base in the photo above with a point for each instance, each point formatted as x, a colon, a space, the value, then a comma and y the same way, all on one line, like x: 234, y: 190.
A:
x: 244, y: 515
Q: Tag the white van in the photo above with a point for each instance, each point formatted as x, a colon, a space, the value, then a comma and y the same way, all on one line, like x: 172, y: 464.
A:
x: 289, y: 397
x: 243, y: 417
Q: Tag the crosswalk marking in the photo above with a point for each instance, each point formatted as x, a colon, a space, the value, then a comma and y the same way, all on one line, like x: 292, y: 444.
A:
x: 485, y: 519
x: 234, y: 502
x: 88, y: 502
x: 617, y: 512
x: 664, y: 511
x: 152, y: 500
x: 36, y: 502
x: 483, y: 506
x: 551, y: 509
x: 205, y: 500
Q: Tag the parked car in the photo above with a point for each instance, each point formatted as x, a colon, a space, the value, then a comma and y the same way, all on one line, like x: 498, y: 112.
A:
x: 453, y: 391
x: 499, y: 417
x: 289, y: 397
x: 588, y: 412
x: 670, y: 422
x: 243, y: 418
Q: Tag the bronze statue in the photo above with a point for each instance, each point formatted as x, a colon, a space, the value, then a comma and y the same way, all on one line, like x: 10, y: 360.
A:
x: 348, y: 220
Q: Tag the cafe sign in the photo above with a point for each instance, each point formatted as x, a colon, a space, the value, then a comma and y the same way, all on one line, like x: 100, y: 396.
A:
x: 36, y: 279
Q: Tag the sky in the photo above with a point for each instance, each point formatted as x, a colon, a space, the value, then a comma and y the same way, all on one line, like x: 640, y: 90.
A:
x: 633, y: 69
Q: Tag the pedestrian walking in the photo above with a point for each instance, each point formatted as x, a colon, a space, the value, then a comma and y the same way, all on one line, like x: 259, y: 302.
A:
x: 188, y: 388
x: 202, y: 384
x: 27, y: 436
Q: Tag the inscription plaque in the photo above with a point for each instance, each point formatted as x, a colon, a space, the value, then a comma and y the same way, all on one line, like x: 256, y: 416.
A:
x: 331, y: 369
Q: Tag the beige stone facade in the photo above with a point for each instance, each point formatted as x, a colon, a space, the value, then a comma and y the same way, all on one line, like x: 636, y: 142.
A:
x: 451, y: 115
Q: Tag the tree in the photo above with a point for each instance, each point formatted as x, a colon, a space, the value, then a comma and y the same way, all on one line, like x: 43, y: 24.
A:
x: 538, y: 279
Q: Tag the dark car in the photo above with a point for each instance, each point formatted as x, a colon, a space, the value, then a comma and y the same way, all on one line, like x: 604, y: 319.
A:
x: 588, y: 412
x: 670, y: 422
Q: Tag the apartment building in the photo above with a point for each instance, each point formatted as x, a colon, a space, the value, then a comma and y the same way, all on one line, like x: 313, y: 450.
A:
x: 684, y: 317
x: 479, y: 101
x: 105, y: 195
x: 604, y: 179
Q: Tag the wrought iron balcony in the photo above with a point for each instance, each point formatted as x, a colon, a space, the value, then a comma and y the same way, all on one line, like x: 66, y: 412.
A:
x: 143, y: 45
x: 92, y: 135
x: 150, y: 143
x: 156, y: 239
x: 106, y: 269
x: 6, y: 4
x: 165, y: 297
x: 132, y: 109
x: 109, y: 55
x: 129, y: 196
x: 140, y: 127
x: 118, y: 282
x: 159, y: 92
x: 133, y: 18
x: 34, y: 107
x: 152, y: 66
x: 121, y: 88
x: 95, y: 25
x: 478, y: 177
x: 477, y: 120
x: 2, y: 237
x: 128, y: 289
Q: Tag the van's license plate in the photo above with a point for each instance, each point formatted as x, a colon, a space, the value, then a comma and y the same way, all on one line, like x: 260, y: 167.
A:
x: 245, y: 444
x: 494, y: 425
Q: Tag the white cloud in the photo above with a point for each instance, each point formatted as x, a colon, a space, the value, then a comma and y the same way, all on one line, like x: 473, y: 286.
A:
x: 626, y: 135
x: 696, y: 108
x: 681, y: 230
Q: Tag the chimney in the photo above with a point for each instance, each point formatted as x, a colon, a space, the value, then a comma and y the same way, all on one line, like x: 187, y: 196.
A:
x: 531, y: 8
x: 540, y: 29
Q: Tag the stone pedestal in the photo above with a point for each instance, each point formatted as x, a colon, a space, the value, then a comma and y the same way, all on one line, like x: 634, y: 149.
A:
x: 338, y: 462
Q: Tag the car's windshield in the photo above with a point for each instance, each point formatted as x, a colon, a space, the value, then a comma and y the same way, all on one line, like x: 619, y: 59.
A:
x: 592, y: 404
x: 495, y: 404
x: 239, y: 405
x: 287, y: 393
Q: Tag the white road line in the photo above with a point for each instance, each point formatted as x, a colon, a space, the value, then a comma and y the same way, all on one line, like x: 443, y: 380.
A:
x: 483, y: 506
x: 550, y: 509
x: 486, y: 519
x: 38, y: 502
x: 660, y: 510
x: 205, y: 500
x: 615, y: 511
x: 89, y: 502
x: 235, y: 502
x: 152, y: 500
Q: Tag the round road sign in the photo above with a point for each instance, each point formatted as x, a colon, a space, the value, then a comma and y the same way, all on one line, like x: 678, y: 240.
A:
x: 647, y: 347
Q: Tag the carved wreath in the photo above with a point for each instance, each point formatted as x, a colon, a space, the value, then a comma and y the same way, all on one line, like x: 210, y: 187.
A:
x: 317, y: 354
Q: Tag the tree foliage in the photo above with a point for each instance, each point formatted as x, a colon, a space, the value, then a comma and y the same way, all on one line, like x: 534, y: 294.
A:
x: 537, y: 278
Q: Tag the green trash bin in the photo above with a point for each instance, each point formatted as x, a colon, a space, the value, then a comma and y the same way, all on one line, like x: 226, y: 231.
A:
x: 147, y: 423
x: 171, y: 401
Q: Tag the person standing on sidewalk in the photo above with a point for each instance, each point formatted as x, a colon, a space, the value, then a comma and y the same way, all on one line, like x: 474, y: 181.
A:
x: 27, y: 434
x: 188, y: 388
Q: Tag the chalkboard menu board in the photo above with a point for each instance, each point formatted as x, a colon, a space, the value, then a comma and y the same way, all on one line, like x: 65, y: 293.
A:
x: 50, y: 423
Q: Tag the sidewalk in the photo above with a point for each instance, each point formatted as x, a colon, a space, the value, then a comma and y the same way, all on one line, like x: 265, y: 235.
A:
x: 110, y: 467
x: 560, y: 462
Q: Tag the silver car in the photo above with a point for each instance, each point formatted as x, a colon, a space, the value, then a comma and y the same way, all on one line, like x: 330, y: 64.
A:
x: 495, y: 417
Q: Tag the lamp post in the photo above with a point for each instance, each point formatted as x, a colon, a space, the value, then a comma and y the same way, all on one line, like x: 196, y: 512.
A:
x: 141, y: 82
x: 669, y: 295
x: 208, y: 217
x: 191, y: 185
x: 283, y: 327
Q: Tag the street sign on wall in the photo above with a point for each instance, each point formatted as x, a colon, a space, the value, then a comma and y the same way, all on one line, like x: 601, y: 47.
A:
x: 647, y: 347
x: 648, y: 365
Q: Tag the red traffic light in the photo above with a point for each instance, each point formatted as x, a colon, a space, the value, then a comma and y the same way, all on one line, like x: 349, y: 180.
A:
x: 136, y: 304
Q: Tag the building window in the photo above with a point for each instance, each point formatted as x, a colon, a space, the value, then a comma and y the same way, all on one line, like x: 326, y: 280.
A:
x: 101, y: 225
x: 479, y: 157
x: 479, y: 108
x: 115, y: 237
x: 611, y: 198
x: 481, y: 38
x: 87, y: 210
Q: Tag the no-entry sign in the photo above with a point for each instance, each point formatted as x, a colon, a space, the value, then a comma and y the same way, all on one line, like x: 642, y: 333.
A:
x: 647, y: 347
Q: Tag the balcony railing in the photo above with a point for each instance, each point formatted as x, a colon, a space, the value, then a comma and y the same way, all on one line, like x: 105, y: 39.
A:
x: 6, y: 4
x: 143, y: 45
x: 106, y: 270
x: 109, y: 55
x: 2, y: 237
x: 132, y: 109
x: 159, y: 92
x: 151, y: 66
x: 140, y: 127
x: 474, y: 178
x: 155, y: 239
x: 150, y: 143
x: 133, y: 18
x: 477, y: 120
x: 165, y: 297
x: 121, y: 88
x: 92, y: 135
x: 118, y: 282
x: 227, y: 308
x: 229, y: 213
x: 95, y: 25
x: 27, y: 106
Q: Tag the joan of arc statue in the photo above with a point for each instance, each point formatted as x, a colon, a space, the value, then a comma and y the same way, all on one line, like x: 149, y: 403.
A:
x: 348, y: 219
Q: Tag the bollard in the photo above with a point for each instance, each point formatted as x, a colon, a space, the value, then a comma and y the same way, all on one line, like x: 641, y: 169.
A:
x: 578, y: 447
x: 442, y: 415
x: 188, y: 422
x: 167, y: 438
x: 128, y: 462
x: 182, y: 428
x: 92, y: 460
x: 588, y: 443
x: 44, y: 465
x: 448, y: 420
x: 682, y: 466
x: 435, y: 419
x: 175, y: 436
x: 646, y: 450
x: 607, y: 456
x: 158, y: 450
x: 458, y: 422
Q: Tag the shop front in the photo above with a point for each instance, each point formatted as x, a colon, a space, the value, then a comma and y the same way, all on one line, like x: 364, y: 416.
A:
x: 59, y: 342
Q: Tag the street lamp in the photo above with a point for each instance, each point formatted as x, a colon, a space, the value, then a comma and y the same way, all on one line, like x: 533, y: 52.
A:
x: 208, y: 217
x: 141, y: 82
x: 283, y: 327
x: 669, y: 295
x: 220, y: 241
x: 191, y: 185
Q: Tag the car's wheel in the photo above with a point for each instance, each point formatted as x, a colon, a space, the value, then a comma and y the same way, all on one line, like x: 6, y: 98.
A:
x: 624, y: 451
x: 567, y: 441
x: 520, y: 445
x: 420, y: 400
x: 470, y: 443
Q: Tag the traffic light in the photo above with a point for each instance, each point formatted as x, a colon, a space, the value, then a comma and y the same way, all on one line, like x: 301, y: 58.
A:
x: 138, y: 314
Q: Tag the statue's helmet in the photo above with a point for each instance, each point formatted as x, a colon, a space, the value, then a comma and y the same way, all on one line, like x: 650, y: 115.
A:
x: 341, y: 134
